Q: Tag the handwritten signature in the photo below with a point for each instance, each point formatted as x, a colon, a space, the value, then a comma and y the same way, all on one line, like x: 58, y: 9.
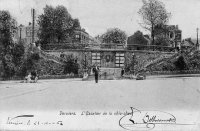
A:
x: 147, y: 120
x: 26, y: 120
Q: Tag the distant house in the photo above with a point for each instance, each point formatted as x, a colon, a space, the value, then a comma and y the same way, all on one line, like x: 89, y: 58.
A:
x: 80, y: 36
x: 171, y: 33
x: 29, y: 31
x: 25, y: 33
x: 167, y: 38
x: 187, y: 44
x: 137, y: 41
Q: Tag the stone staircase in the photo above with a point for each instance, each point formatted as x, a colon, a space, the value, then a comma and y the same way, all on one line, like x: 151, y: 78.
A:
x: 160, y: 59
x: 49, y: 64
x: 50, y: 67
x: 54, y: 58
x: 163, y: 60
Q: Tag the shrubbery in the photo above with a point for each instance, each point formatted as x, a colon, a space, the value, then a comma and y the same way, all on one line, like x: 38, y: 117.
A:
x: 13, y: 63
x: 181, y: 64
x: 71, y: 66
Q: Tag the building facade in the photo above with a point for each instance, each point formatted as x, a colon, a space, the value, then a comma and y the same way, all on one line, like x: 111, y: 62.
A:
x: 110, y: 61
x: 80, y: 36
x: 29, y: 31
x: 175, y: 35
x: 25, y: 33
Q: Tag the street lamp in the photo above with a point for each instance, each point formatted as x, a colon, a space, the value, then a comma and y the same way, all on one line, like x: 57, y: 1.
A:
x: 85, y: 74
x: 197, y: 44
x: 85, y: 53
x: 20, y: 32
x: 133, y: 62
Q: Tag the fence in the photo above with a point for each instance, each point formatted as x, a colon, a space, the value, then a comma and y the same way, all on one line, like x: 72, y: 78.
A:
x: 151, y: 48
x: 59, y: 46
x: 78, y: 45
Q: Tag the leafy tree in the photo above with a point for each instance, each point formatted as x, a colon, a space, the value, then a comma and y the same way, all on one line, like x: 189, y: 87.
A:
x: 26, y: 62
x: 181, y: 63
x: 160, y: 33
x: 162, y: 40
x: 18, y: 53
x: 153, y: 13
x: 7, y: 26
x: 56, y: 25
x: 137, y: 38
x: 29, y: 64
x: 114, y: 35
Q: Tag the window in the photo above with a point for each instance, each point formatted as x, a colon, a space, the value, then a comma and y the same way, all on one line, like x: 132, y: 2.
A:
x: 119, y: 61
x: 172, y: 35
x: 77, y: 36
x: 96, y: 59
x: 27, y: 33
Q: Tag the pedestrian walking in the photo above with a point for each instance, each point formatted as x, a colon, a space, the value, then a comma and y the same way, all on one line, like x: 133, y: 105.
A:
x: 96, y: 73
x: 122, y: 72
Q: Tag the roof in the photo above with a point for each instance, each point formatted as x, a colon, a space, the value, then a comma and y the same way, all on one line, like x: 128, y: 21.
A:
x: 187, y: 43
x: 81, y: 30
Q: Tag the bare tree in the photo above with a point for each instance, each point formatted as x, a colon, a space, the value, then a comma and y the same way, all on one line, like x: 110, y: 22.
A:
x: 153, y: 13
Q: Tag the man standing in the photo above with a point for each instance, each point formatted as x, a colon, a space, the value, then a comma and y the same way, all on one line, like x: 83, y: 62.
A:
x: 122, y: 72
x: 96, y: 73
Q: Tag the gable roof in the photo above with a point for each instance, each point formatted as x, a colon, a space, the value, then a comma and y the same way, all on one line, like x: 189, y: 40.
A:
x: 188, y: 42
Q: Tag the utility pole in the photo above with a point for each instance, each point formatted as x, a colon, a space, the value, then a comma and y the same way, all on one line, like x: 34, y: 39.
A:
x: 33, y: 24
x: 197, y: 44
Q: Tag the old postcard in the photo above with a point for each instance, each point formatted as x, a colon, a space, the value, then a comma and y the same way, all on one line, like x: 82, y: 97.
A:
x: 100, y: 65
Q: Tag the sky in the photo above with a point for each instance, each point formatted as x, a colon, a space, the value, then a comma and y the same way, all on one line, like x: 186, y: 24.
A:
x: 96, y: 16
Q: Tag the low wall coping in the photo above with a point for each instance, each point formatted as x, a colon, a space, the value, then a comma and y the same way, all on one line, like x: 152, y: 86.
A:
x: 112, y: 50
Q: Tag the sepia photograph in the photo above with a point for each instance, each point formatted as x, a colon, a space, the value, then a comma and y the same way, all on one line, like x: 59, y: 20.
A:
x: 99, y: 65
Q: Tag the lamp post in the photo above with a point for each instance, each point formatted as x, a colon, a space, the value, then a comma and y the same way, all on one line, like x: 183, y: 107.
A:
x: 133, y: 60
x: 197, y: 44
x: 20, y: 32
x: 85, y: 53
x: 85, y: 59
x: 85, y: 62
